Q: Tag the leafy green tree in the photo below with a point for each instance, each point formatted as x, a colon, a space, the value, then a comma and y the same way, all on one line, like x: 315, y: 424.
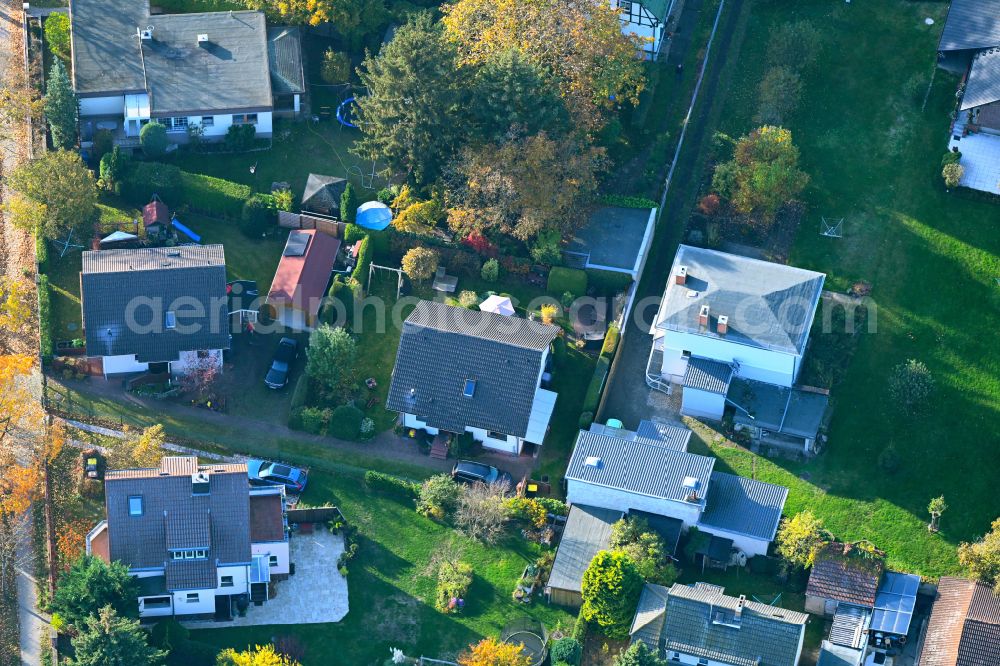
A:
x: 763, y: 175
x: 414, y: 113
x: 610, y: 590
x: 639, y: 654
x: 911, y: 385
x: 348, y: 203
x: 61, y: 107
x: 779, y: 95
x: 330, y: 360
x: 645, y: 548
x: 62, y: 183
x: 438, y: 496
x: 567, y: 650
x: 795, y: 44
x: 800, y: 538
x: 110, y: 640
x: 952, y: 174
x: 57, y: 35
x: 419, y: 263
x: 511, y: 91
x: 153, y: 139
x: 113, y: 166
x: 90, y: 585
x: 491, y: 270
x: 981, y: 559
x: 936, y: 507
x: 336, y: 67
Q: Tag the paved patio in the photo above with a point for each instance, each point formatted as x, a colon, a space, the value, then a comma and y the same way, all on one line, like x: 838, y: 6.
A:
x: 980, y: 157
x: 316, y: 594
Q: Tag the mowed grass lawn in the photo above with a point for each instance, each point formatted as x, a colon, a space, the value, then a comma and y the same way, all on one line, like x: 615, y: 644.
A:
x: 392, y: 586
x: 933, y: 259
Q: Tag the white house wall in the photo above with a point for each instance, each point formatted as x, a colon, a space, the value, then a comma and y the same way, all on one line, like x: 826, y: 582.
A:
x: 240, y: 582
x: 580, y: 492
x: 765, y: 365
x: 651, y: 37
x: 749, y: 545
x: 510, y: 445
x: 103, y: 106
x: 221, y: 123
x: 278, y: 548
x: 187, y: 359
x: 114, y: 365
x: 204, y: 605
x: 703, y: 404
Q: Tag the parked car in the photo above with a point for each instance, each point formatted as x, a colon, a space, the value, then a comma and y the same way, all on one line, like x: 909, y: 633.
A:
x: 467, y: 471
x: 267, y: 473
x: 277, y: 375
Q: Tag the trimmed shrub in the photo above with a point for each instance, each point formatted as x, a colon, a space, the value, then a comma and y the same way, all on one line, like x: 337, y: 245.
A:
x: 952, y: 174
x: 345, y: 422
x: 468, y: 299
x: 45, y: 318
x: 491, y: 270
x: 611, y: 588
x: 41, y: 252
x: 628, y: 201
x: 57, y: 35
x: 554, y: 506
x: 610, y: 340
x: 353, y: 233
x: 142, y: 180
x: 213, y: 196
x: 360, y: 271
x: 593, y: 396
x: 283, y: 200
x: 568, y: 650
x: 454, y: 580
x: 392, y: 486
x: 951, y: 157
x: 348, y: 203
x: 607, y: 283
x: 258, y: 215
x: 153, y: 139
x: 240, y: 137
x: 300, y: 393
x: 314, y: 419
x: 438, y: 496
x: 562, y: 279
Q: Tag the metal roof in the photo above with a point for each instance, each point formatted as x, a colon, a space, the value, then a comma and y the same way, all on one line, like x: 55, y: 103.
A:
x: 745, y: 506
x: 705, y: 374
x: 587, y: 532
x: 672, y: 436
x: 769, y: 305
x: 894, y: 603
x: 850, y: 625
x: 983, y: 84
x: 793, y: 411
x: 971, y: 24
x: 648, y: 623
x: 126, y: 295
x: 702, y: 621
x: 831, y: 654
x: 284, y: 52
x: 442, y: 346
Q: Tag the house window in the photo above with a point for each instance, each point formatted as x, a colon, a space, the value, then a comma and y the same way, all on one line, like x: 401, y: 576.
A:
x: 625, y: 6
x: 203, y: 353
x: 150, y: 603
x: 244, y: 118
x: 192, y: 598
x: 496, y: 435
x: 272, y: 560
x: 177, y: 124
x: 170, y: 320
x: 135, y: 505
x: 703, y: 662
x: 208, y: 121
x: 685, y: 353
x: 227, y: 581
x: 189, y: 554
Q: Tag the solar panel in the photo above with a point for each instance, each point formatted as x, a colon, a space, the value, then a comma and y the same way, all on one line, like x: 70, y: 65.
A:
x: 296, y: 244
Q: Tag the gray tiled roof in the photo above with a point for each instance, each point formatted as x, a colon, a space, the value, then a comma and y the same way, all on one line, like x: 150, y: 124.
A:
x: 116, y: 288
x: 704, y: 374
x: 971, y: 24
x: 793, y: 411
x: 284, y: 51
x: 230, y: 72
x: 143, y: 541
x: 322, y: 193
x: 648, y: 623
x: 642, y: 466
x: 767, y: 634
x: 983, y: 85
x: 770, y: 306
x: 745, y: 506
x: 587, y: 532
x: 442, y: 346
x: 838, y: 655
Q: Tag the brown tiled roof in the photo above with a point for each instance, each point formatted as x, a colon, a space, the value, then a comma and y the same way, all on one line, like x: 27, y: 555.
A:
x: 840, y: 575
x: 964, y: 629
x: 265, y: 518
x: 175, y: 466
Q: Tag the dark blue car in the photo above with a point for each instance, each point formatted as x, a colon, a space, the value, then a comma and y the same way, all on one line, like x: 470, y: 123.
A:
x: 267, y: 473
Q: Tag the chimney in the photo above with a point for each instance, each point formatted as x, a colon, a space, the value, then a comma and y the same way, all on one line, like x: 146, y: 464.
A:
x: 682, y: 274
x: 723, y: 325
x: 739, y: 606
x: 703, y: 316
x: 202, y: 38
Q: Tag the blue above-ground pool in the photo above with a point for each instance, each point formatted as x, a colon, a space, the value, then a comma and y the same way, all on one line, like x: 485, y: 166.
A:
x: 373, y: 215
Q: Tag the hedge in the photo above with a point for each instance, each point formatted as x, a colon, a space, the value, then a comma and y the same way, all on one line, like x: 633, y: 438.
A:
x: 364, y: 260
x: 41, y: 252
x: 45, y: 317
x: 627, y: 201
x: 213, y: 196
x: 607, y: 283
x: 143, y: 179
x: 300, y: 393
x: 392, y: 486
x: 610, y: 340
x: 353, y: 233
x: 562, y: 279
x: 593, y: 396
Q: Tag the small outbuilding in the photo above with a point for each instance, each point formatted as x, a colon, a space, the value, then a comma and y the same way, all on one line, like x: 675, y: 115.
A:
x: 843, y: 573
x: 155, y: 217
x: 587, y: 532
x: 613, y: 239
x: 322, y: 194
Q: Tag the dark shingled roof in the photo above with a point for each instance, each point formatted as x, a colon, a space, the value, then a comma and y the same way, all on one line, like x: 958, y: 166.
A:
x: 770, y: 306
x: 229, y: 72
x: 648, y: 623
x: 173, y: 517
x: 971, y: 24
x: 284, y: 52
x: 964, y: 628
x: 587, y: 532
x: 698, y: 619
x: 613, y: 237
x: 188, y: 280
x: 983, y: 85
x: 842, y: 575
x: 793, y: 411
x: 745, y: 506
x: 322, y: 194
x: 704, y: 374
x: 442, y: 346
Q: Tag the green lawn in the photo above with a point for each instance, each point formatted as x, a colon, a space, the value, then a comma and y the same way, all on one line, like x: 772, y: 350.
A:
x: 391, y: 588
x: 570, y: 380
x: 933, y: 258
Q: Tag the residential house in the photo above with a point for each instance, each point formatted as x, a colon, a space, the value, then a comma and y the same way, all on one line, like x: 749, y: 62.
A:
x: 733, y: 331
x: 700, y: 624
x: 647, y: 20
x: 613, y: 239
x: 650, y: 470
x: 207, y: 71
x: 155, y: 309
x: 199, y: 540
x: 459, y: 370
x: 970, y: 46
x: 964, y: 627
x: 587, y: 532
x: 302, y: 277
x: 843, y: 574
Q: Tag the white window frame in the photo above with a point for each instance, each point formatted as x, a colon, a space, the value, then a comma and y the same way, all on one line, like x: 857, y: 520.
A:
x: 272, y: 560
x: 226, y: 581
x: 208, y: 121
x: 131, y: 510
x: 175, y: 123
x: 244, y: 119
x: 192, y: 598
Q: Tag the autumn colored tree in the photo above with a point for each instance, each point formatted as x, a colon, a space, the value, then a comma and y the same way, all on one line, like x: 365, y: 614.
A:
x: 15, y: 308
x: 981, y: 559
x: 138, y: 449
x: 61, y: 182
x: 71, y: 541
x: 200, y: 376
x: 523, y: 186
x: 800, y: 538
x: 492, y: 652
x: 419, y: 263
x: 258, y: 655
x: 579, y: 45
x: 19, y: 102
x: 763, y: 175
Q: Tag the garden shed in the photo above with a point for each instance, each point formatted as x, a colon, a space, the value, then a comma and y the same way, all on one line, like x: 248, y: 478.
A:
x: 587, y: 532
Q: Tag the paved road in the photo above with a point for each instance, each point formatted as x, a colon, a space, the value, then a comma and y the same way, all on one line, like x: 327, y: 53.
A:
x: 628, y: 397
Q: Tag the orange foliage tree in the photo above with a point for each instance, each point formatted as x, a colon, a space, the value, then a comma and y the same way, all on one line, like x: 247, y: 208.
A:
x: 491, y: 652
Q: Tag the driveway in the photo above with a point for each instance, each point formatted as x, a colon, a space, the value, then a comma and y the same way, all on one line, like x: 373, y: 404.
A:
x: 316, y: 594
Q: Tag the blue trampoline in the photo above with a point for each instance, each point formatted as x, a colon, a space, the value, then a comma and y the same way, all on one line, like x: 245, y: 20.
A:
x: 373, y: 215
x: 345, y: 112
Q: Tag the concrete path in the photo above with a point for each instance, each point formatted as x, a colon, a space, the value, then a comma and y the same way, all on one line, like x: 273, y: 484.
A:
x: 34, y: 626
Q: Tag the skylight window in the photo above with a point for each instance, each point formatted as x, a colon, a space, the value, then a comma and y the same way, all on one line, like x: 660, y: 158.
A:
x: 135, y: 505
x: 170, y: 320
x: 470, y: 388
